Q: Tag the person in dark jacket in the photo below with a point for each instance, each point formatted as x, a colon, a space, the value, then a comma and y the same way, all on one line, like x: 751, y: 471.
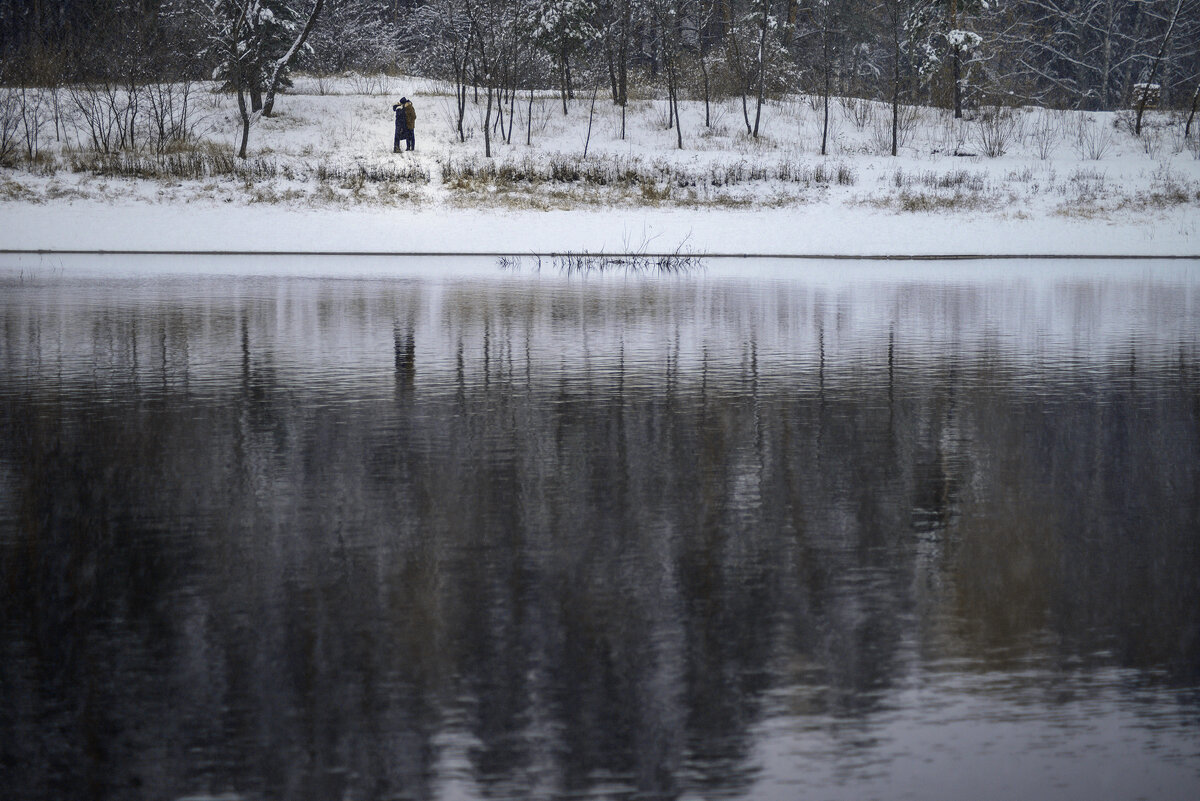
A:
x: 402, y: 131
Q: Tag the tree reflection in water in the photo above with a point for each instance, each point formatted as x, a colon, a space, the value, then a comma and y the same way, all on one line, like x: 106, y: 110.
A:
x: 326, y: 540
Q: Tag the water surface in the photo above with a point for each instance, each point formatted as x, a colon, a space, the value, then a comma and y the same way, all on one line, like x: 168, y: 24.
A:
x: 436, y: 530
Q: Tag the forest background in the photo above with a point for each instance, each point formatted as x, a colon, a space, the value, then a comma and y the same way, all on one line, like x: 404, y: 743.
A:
x: 956, y: 54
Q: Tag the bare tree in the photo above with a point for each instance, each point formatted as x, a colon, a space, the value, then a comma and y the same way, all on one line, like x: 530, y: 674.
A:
x: 665, y: 14
x: 239, y: 41
x: 1162, y: 48
x: 562, y: 27
x: 763, y: 25
x: 444, y: 30
x: 825, y: 19
x: 492, y: 26
x: 284, y: 61
x: 354, y: 34
x: 896, y: 16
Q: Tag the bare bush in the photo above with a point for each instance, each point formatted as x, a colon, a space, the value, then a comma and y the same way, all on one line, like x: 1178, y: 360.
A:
x: 10, y: 124
x: 36, y: 109
x: 168, y: 114
x: 1092, y: 140
x: 816, y: 127
x: 859, y: 111
x: 102, y: 116
x: 995, y: 130
x: 1192, y: 143
x: 1152, y: 141
x: 717, y: 115
x: 950, y: 136
x: 881, y: 130
x: 664, y: 117
x: 368, y: 84
x: 1043, y: 134
x: 449, y: 114
x: 541, y: 113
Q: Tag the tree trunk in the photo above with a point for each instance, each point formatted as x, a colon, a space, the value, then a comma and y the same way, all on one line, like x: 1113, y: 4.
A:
x: 673, y: 96
x: 529, y: 119
x: 956, y: 63
x: 623, y: 57
x: 591, y: 114
x: 675, y: 105
x: 734, y: 56
x: 670, y: 92
x: 286, y: 59
x: 1137, y: 127
x: 460, y: 97
x: 762, y: 66
x: 825, y: 122
x: 487, y: 125
x: 512, y: 107
x: 1187, y: 128
x: 896, y: 25
x: 245, y: 112
x: 1106, y: 63
x: 562, y: 82
x: 653, y: 52
x: 612, y: 71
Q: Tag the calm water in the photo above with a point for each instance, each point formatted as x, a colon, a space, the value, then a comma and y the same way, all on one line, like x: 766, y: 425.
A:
x: 836, y: 531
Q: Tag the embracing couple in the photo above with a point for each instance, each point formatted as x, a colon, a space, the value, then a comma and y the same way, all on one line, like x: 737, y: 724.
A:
x: 406, y: 118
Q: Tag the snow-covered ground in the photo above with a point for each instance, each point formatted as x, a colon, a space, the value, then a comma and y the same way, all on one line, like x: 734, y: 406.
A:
x: 326, y: 180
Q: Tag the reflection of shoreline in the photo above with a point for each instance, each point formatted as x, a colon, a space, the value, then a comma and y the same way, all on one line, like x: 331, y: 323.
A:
x: 305, y: 568
x: 313, y: 331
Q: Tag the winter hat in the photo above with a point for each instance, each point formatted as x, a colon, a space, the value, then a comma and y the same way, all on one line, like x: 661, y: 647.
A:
x: 404, y: 100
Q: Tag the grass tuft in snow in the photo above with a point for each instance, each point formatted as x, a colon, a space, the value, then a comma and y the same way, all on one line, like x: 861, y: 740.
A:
x: 650, y: 176
x: 213, y: 163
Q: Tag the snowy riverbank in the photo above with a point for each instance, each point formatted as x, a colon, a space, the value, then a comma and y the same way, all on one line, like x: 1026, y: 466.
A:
x: 200, y: 226
x: 322, y: 178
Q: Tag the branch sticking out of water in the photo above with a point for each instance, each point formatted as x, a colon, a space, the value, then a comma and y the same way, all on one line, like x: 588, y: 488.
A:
x: 677, y: 262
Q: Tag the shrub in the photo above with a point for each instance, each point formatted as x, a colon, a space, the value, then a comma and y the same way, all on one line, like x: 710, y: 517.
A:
x: 10, y: 125
x: 1092, y: 140
x: 1044, y: 134
x: 859, y: 111
x: 995, y: 130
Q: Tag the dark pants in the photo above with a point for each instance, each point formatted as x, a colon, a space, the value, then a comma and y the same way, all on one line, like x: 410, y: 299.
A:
x: 402, y: 133
x: 410, y: 137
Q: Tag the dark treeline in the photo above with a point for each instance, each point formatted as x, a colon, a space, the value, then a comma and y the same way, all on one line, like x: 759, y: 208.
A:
x: 1089, y: 54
